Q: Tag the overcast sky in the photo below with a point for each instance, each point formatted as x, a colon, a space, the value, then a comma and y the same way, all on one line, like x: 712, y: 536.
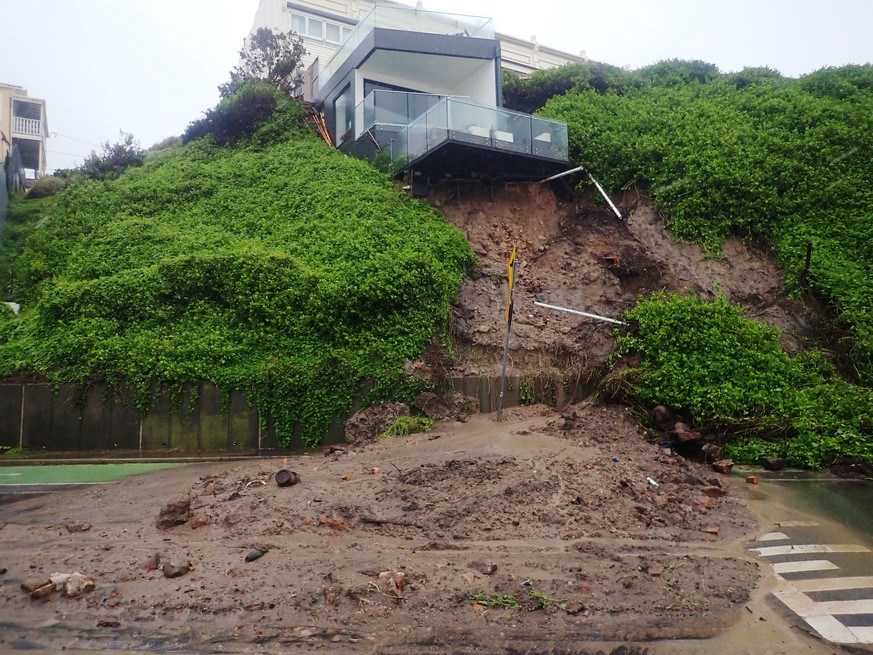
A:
x: 149, y: 67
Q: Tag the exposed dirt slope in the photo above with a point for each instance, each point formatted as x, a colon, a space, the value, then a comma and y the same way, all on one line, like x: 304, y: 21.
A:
x: 556, y: 513
x: 577, y: 254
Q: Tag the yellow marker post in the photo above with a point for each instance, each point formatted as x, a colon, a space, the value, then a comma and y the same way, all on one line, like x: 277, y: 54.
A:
x: 512, y: 274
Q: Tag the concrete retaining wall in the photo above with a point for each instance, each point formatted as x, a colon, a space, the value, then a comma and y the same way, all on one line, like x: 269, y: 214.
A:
x: 31, y: 417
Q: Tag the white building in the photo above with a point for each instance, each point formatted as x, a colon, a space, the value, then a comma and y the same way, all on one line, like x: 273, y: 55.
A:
x: 23, y: 125
x: 325, y: 25
x: 423, y: 91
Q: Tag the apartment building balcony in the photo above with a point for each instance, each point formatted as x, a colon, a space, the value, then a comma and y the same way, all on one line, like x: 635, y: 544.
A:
x: 435, y: 133
x: 27, y: 126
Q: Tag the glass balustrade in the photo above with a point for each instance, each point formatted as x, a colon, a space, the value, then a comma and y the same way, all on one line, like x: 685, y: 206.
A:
x: 408, y: 125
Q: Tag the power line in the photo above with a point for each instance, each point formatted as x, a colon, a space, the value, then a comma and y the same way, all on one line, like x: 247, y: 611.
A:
x: 96, y: 145
x: 68, y: 154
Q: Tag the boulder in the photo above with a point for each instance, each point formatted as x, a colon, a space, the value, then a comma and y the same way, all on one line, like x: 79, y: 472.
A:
x: 77, y: 584
x: 367, y: 424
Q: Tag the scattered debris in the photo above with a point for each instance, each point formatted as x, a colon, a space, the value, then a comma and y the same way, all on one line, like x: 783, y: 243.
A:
x: 152, y: 563
x: 176, y: 567
x: 367, y: 424
x: 200, y: 520
x: 256, y: 554
x: 175, y: 512
x: 715, y: 530
x: 77, y: 584
x: 77, y: 526
x: 652, y: 481
x: 108, y: 624
x: 485, y: 568
x: 332, y: 522
x: 286, y: 478
x: 723, y: 466
x: 392, y: 583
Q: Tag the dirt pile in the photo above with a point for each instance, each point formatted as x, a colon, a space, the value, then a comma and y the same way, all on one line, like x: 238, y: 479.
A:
x: 536, y: 533
x: 577, y: 254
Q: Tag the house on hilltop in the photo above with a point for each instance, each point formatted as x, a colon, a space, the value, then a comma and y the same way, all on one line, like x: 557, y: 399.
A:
x: 23, y: 131
x: 419, y: 89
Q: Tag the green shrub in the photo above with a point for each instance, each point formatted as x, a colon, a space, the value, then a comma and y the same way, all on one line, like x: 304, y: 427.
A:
x: 785, y: 162
x: 729, y: 374
x: 406, y: 425
x: 280, y: 268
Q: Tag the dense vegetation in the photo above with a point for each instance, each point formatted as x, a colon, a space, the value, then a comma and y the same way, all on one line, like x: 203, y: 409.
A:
x: 731, y: 374
x: 786, y: 162
x: 278, y: 266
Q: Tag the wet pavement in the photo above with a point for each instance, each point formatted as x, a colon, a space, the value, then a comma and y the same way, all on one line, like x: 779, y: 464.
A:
x: 818, y: 543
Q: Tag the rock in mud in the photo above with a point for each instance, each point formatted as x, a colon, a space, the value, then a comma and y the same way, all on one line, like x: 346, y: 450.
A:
x: 662, y: 417
x: 369, y: 423
x: 485, y: 568
x: 723, y: 466
x: 32, y: 584
x: 286, y: 478
x: 152, y: 563
x: 176, y: 512
x: 77, y: 526
x: 773, y: 463
x: 176, y: 567
x: 77, y: 584
x: 44, y: 591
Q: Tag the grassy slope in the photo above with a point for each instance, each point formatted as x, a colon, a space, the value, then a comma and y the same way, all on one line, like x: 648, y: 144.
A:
x: 287, y: 270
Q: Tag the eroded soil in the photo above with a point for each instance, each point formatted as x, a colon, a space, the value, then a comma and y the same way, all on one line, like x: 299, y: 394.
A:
x: 557, y: 515
x: 577, y: 254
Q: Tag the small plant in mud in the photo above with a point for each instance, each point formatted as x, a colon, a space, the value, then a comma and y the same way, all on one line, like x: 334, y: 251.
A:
x: 489, y: 601
x: 536, y: 600
x: 406, y: 425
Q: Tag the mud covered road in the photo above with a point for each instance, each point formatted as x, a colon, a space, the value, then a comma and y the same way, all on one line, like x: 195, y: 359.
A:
x: 536, y: 533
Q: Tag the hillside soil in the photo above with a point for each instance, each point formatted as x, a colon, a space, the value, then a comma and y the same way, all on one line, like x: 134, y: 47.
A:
x: 540, y: 532
x: 575, y: 253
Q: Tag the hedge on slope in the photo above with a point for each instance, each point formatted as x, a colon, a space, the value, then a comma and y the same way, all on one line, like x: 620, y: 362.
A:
x: 280, y: 267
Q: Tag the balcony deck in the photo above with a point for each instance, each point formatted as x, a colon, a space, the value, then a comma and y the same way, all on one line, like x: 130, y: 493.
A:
x: 442, y: 133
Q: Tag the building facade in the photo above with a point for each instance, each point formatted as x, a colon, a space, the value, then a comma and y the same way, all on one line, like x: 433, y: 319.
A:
x: 421, y: 91
x: 23, y: 125
x: 325, y: 25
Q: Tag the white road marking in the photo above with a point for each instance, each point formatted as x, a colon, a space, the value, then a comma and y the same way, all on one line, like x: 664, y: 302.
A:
x: 832, y: 630
x: 834, y: 584
x: 773, y: 536
x: 863, y: 633
x: 772, y: 551
x: 9, y: 475
x: 807, y: 565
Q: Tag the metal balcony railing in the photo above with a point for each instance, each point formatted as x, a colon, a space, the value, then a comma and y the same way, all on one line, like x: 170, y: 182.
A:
x: 410, y: 20
x: 29, y: 126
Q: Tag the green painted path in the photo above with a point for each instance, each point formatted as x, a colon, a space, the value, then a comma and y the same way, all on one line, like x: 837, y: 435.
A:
x: 76, y: 473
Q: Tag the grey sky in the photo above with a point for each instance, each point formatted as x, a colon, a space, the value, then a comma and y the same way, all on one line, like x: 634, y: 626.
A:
x: 149, y: 67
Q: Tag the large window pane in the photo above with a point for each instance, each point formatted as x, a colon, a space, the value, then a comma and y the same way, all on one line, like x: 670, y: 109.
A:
x: 315, y: 28
x: 344, y: 109
x: 332, y: 32
x: 298, y: 24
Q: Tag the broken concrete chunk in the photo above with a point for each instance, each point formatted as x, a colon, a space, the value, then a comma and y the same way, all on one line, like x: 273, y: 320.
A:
x: 78, y: 584
x: 176, y: 512
x: 32, y: 584
x: 176, y: 567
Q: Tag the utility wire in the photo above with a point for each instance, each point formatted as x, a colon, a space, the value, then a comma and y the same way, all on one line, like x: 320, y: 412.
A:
x: 96, y: 145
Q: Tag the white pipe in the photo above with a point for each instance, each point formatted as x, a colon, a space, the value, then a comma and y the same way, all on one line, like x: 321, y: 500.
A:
x: 605, y: 197
x: 575, y: 311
